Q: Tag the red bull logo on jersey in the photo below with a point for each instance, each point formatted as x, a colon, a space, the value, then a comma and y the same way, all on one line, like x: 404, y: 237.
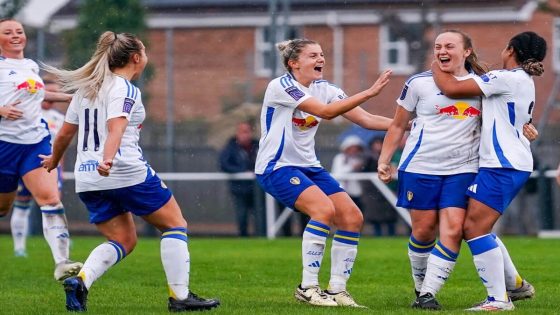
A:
x: 305, y: 123
x: 459, y: 111
x: 31, y: 86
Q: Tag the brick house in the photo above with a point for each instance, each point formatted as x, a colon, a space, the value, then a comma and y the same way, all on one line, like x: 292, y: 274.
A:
x: 221, y: 47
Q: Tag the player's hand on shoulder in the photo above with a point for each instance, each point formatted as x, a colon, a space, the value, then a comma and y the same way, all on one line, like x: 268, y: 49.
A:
x: 104, y: 167
x: 384, y: 172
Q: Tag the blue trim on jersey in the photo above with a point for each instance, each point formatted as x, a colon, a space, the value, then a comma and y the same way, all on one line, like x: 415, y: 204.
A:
x: 498, y: 149
x: 419, y: 75
x: 270, y: 167
x: 413, y: 152
x: 269, y: 114
x: 286, y: 80
x: 511, y: 112
x: 482, y: 244
x: 317, y: 228
x: 121, y: 253
x: 444, y: 252
x: 179, y: 233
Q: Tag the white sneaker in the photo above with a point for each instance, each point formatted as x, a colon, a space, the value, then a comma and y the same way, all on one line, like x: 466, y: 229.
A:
x: 343, y: 298
x: 526, y: 291
x: 67, y: 269
x: 314, y: 296
x: 491, y: 305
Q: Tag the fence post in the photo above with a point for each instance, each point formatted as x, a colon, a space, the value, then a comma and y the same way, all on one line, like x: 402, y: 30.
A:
x: 545, y: 200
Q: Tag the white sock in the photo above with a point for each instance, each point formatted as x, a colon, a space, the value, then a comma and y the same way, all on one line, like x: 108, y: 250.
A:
x: 312, y: 252
x: 55, y: 230
x: 19, y: 224
x: 100, y: 260
x: 513, y: 279
x: 418, y: 253
x: 176, y: 261
x: 489, y: 263
x: 343, y: 254
x: 440, y: 264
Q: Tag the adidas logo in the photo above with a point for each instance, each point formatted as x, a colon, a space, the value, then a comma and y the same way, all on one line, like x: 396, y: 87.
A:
x: 473, y: 188
x: 315, y: 264
x: 12, y: 72
x: 348, y: 272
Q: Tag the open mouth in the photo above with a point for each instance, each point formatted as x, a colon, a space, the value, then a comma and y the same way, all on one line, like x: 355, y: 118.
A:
x: 318, y: 69
x: 444, y: 60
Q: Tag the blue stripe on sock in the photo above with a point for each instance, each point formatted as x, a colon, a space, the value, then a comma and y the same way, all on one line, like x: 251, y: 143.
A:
x: 444, y: 253
x: 346, y: 237
x: 121, y: 253
x: 179, y: 233
x: 53, y: 211
x: 482, y: 244
x: 420, y: 247
x: 317, y: 228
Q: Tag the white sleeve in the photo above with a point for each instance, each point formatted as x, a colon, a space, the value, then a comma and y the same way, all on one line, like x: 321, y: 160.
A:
x: 72, y: 115
x: 409, y: 96
x: 287, y: 94
x: 121, y: 100
x: 335, y: 94
x: 493, y: 82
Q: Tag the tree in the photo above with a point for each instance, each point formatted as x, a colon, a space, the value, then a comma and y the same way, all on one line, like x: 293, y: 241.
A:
x: 98, y: 16
x: 9, y: 8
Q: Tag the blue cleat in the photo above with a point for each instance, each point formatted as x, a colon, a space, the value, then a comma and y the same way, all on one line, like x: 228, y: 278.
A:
x: 76, y: 294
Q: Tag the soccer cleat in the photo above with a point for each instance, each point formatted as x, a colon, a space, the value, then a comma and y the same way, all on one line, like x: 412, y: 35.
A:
x: 343, y: 298
x: 20, y: 253
x: 192, y: 303
x: 314, y: 296
x: 417, y: 293
x: 492, y: 305
x: 526, y: 291
x: 426, y: 302
x: 76, y: 294
x: 66, y: 269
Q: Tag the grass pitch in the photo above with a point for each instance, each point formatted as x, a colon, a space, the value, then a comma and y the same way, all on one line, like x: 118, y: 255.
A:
x: 257, y: 276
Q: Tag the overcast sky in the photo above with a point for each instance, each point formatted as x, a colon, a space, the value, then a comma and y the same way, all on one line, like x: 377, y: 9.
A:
x: 37, y: 12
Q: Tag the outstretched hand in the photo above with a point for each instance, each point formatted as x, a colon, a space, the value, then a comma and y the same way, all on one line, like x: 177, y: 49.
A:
x: 381, y: 82
x: 384, y: 172
x: 47, y: 162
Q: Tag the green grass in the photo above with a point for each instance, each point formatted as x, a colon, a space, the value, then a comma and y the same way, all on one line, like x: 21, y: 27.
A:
x: 257, y: 276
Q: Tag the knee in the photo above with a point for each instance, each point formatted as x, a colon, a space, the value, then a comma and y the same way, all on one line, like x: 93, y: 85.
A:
x: 453, y: 233
x: 352, y: 220
x: 424, y: 233
x: 325, y: 213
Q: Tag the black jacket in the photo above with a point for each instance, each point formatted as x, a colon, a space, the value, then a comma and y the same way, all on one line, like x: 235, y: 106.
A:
x: 234, y: 159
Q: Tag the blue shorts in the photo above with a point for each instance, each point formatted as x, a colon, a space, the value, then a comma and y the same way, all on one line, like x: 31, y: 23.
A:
x: 288, y: 182
x: 141, y: 199
x: 496, y: 187
x: 17, y: 160
x: 433, y: 192
x: 22, y: 191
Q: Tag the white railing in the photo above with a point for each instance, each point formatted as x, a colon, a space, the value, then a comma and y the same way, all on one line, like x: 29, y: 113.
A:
x: 273, y: 223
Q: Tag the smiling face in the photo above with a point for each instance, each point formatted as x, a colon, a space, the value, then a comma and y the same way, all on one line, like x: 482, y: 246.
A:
x: 450, y: 53
x: 309, y: 65
x: 12, y: 39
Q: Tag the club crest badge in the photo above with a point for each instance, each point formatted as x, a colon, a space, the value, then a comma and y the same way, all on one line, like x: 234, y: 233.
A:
x: 409, y: 195
x: 295, y: 181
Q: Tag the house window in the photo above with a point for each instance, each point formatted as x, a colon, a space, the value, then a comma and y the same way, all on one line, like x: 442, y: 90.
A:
x: 263, y: 49
x: 395, y: 50
x: 556, y: 45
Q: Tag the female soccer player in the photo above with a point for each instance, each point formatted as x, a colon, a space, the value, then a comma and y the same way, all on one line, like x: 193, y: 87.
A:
x: 439, y: 162
x: 288, y: 169
x: 112, y: 178
x: 23, y: 136
x: 508, y: 99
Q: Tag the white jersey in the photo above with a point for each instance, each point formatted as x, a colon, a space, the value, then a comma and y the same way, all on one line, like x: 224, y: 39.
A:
x: 508, y: 104
x: 20, y: 81
x: 288, y: 134
x: 445, y: 134
x: 116, y: 98
x: 54, y: 120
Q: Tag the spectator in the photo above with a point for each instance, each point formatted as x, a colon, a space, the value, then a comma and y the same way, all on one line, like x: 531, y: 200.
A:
x: 239, y: 156
x: 377, y: 210
x: 349, y: 160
